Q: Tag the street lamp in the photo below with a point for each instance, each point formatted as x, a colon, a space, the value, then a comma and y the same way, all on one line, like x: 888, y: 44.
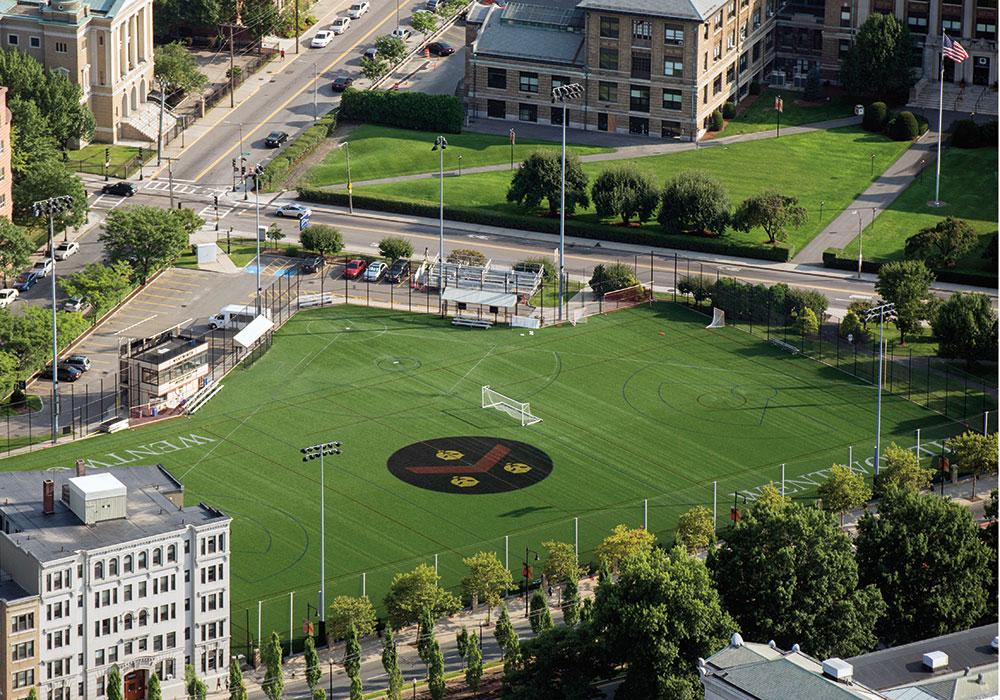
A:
x: 51, y: 207
x: 881, y: 312
x: 440, y: 143
x: 861, y: 240
x: 350, y: 185
x: 254, y: 174
x: 525, y: 572
x: 310, y: 453
x: 563, y: 94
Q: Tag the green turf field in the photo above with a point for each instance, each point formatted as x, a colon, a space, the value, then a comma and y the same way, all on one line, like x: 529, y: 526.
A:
x: 639, y: 404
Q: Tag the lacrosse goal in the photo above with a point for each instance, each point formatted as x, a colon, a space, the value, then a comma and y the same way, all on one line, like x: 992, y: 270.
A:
x: 718, y: 319
x: 517, y: 409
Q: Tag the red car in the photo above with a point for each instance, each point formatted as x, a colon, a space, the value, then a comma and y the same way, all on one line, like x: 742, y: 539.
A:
x: 354, y: 268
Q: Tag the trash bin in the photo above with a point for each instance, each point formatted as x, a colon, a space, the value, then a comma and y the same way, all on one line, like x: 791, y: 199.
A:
x: 154, y: 411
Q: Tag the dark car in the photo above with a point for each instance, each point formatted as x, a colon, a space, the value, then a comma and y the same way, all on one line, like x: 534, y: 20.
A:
x: 399, y: 270
x: 439, y: 48
x: 342, y: 82
x: 122, y: 189
x: 66, y: 373
x: 275, y: 139
x: 80, y: 362
x: 25, y: 281
x: 311, y: 265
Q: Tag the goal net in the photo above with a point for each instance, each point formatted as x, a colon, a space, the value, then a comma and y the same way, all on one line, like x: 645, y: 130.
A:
x: 718, y: 319
x: 517, y: 409
x: 627, y: 297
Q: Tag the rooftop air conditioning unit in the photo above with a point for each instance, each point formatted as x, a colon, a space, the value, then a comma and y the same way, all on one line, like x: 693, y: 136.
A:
x: 935, y: 660
x: 838, y: 669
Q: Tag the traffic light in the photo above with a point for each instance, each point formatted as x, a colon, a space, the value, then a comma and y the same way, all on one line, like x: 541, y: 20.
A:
x: 107, y: 154
x: 234, y: 165
x: 215, y: 199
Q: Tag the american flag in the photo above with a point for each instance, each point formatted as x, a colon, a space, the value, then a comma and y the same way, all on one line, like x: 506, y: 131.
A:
x: 952, y: 49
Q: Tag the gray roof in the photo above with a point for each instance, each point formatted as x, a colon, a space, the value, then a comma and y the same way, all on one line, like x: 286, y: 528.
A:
x: 737, y: 656
x: 514, y: 40
x: 903, y: 665
x: 51, y: 537
x: 698, y: 10
x: 782, y: 679
x: 11, y: 592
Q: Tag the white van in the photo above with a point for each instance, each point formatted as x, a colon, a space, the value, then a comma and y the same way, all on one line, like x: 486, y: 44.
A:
x: 235, y: 316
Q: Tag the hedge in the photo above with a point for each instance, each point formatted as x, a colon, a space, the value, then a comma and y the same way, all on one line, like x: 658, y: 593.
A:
x: 965, y: 133
x: 832, y: 258
x: 296, y: 151
x: 875, y: 117
x: 722, y: 246
x: 404, y: 110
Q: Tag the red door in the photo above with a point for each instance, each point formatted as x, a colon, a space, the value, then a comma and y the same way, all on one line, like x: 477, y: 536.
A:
x: 135, y: 686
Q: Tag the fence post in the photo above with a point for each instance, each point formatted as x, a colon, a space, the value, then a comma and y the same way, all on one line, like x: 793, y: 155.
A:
x: 947, y: 377
x: 675, y: 277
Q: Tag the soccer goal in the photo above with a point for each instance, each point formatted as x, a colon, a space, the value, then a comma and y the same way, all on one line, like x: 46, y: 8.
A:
x: 517, y: 409
x: 718, y: 319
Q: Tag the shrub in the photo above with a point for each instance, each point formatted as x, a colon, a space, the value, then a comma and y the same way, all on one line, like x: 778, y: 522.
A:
x: 393, y: 248
x: 694, y: 202
x: 467, y: 256
x: 325, y: 240
x: 729, y: 110
x: 903, y: 127
x: 608, y: 278
x: 754, y: 87
x: 852, y: 326
x: 965, y: 133
x: 548, y: 267
x: 697, y: 286
x: 405, y: 110
x: 624, y: 192
x: 715, y: 122
x: 875, y: 116
x: 988, y: 134
x: 814, y: 85
x: 942, y: 244
x: 292, y: 251
x: 276, y: 170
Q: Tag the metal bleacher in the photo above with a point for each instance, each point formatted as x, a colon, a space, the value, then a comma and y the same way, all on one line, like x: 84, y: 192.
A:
x: 487, y: 278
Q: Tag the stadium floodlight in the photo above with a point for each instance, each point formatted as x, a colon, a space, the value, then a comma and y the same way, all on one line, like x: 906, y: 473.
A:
x: 319, y: 451
x: 564, y: 94
x: 881, y: 312
x: 440, y: 143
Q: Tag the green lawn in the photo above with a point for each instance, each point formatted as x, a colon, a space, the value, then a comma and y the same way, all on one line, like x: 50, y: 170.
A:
x: 90, y: 159
x: 243, y: 251
x: 34, y: 403
x: 549, y: 296
x: 378, y: 151
x: 969, y: 188
x: 760, y: 115
x: 639, y: 404
x: 822, y: 168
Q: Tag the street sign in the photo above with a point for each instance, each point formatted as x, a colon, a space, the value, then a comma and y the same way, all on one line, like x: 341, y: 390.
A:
x: 304, y: 223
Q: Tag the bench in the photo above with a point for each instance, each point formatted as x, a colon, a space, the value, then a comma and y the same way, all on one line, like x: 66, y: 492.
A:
x: 785, y: 346
x: 471, y: 322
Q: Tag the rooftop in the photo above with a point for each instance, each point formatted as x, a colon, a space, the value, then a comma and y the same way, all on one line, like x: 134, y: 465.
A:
x: 502, y: 34
x: 169, y: 349
x: 676, y: 9
x: 51, y: 537
x: 10, y: 592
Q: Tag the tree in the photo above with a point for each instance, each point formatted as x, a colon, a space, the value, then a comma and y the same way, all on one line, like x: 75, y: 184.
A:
x: 851, y: 326
x: 942, y: 244
x: 925, y: 555
x: 625, y: 192
x: 559, y: 664
x: 907, y: 284
x: 806, y: 322
x: 424, y: 22
x: 170, y: 17
x: 474, y: 663
x: 102, y: 285
x: 237, y: 690
x: 466, y: 256
x: 30, y: 136
x: 547, y: 267
x: 612, y: 277
x: 175, y: 69
x: 261, y: 17
x: 965, y: 326
x: 538, y: 178
x: 390, y: 662
x: 274, y: 677
x: 570, y: 602
x: 773, y: 212
x: 352, y: 662
x: 878, y: 64
x: 505, y: 633
x: 693, y: 202
x: 60, y: 100
x: 787, y: 572
x: 435, y: 674
x: 147, y: 237
x: 462, y: 642
x: 50, y: 178
x: 561, y: 563
x: 32, y: 694
x: 114, y: 686
x: 15, y: 249
x: 313, y: 669
x: 374, y: 67
x: 814, y: 85
x: 538, y: 612
x: 843, y: 490
x: 325, y: 240
x: 318, y: 694
x: 274, y: 234
x: 391, y: 48
x: 622, y: 543
x: 346, y: 611
x: 901, y: 469
x: 695, y: 529
x: 426, y: 638
x: 392, y: 248
x: 154, y: 692
x: 413, y: 592
x: 488, y: 580
x: 974, y: 453
x: 657, y: 619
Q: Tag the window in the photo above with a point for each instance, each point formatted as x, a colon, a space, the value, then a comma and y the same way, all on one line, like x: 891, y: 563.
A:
x: 142, y: 560
x: 953, y: 25
x: 557, y: 81
x: 717, y: 85
x: 143, y: 618
x: 602, y: 121
x: 845, y: 15
x: 673, y: 69
x: 142, y: 589
x: 705, y: 66
x: 731, y: 73
x: 732, y: 8
x: 35, y: 42
x: 22, y: 623
x: 638, y: 98
x: 127, y: 593
x: 756, y: 52
x: 756, y: 18
x: 638, y: 125
x: 24, y: 650
x: 555, y: 117
x: 99, y: 570
x: 158, y: 556
x: 528, y: 82
x: 609, y: 27
x: 112, y: 654
x: 607, y: 92
x: 642, y: 30
x: 845, y: 47
x: 717, y: 52
x: 99, y: 657
x: 60, y: 47
x: 641, y: 64
x: 158, y: 643
x: 127, y: 564
x: 673, y: 35
x: 497, y: 109
x: 917, y: 23
x: 671, y: 99
x: 986, y: 30
x: 128, y: 621
x: 496, y: 78
x: 22, y: 679
x: 743, y: 62
x: 113, y: 567
x: 12, y: 39
x: 743, y: 33
x: 718, y: 21
x: 526, y: 113
x: 171, y: 640
x: 732, y: 40
x: 608, y: 58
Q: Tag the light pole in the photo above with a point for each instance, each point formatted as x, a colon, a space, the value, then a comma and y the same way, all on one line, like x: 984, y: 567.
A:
x: 526, y: 571
x: 254, y: 174
x: 350, y: 186
x: 310, y: 453
x: 881, y: 312
x: 51, y: 207
x: 563, y: 94
x: 861, y: 240
x: 315, y: 88
x: 440, y: 143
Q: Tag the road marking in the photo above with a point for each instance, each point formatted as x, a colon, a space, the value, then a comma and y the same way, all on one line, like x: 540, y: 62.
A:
x: 128, y: 328
x: 263, y: 122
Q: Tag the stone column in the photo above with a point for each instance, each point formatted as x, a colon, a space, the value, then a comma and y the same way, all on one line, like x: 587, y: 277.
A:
x: 133, y: 53
x: 122, y: 52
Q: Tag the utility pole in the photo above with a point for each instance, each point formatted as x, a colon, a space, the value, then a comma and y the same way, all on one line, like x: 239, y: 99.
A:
x: 159, y: 134
x: 297, y: 39
x: 170, y: 178
x: 232, y: 71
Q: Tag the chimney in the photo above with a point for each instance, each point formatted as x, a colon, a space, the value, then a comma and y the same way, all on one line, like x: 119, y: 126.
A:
x: 48, y: 496
x: 935, y: 661
x: 65, y: 494
x: 81, y: 468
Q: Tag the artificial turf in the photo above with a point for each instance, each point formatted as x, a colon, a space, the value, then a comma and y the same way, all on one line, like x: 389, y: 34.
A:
x: 640, y: 405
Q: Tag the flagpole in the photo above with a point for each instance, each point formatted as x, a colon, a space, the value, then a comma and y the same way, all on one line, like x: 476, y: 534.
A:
x: 937, y: 177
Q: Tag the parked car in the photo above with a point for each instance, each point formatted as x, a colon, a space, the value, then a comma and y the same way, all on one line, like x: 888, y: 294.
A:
x: 275, y: 139
x: 439, y: 48
x: 340, y: 25
x: 7, y: 297
x: 401, y: 33
x: 313, y: 264
x: 432, y: 5
x: 122, y: 189
x: 65, y: 373
x: 42, y: 268
x: 81, y: 362
x: 354, y: 268
x: 399, y: 270
x: 374, y: 272
x: 66, y: 249
x: 322, y: 39
x: 358, y: 9
x: 78, y: 304
x: 342, y: 82
x: 25, y: 281
x: 371, y: 52
x: 293, y: 210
